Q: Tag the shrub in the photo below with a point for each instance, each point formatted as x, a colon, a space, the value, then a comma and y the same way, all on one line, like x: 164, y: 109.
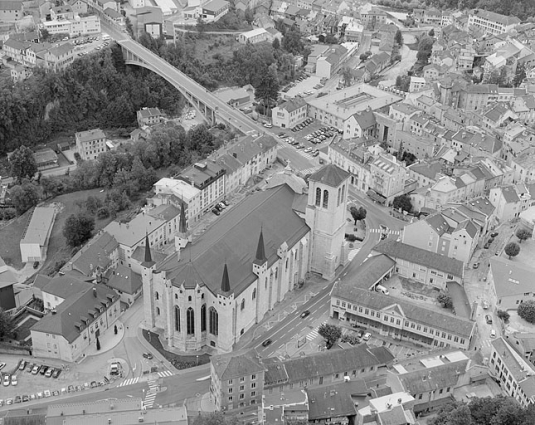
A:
x: 102, y: 213
x: 503, y: 315
x: 526, y: 311
x: 351, y: 237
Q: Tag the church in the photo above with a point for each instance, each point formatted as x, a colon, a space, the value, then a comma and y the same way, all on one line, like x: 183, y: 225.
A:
x: 210, y: 292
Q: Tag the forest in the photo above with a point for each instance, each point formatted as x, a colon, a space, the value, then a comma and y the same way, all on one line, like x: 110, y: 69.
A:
x: 95, y: 91
x: 523, y: 9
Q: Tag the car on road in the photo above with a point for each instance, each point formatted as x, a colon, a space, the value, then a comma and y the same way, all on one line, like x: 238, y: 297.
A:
x: 488, y: 319
x: 492, y: 333
x: 267, y: 342
x: 493, y: 235
x: 14, y: 380
x: 35, y: 369
x: 367, y: 336
x: 22, y: 365
x: 7, y: 380
x: 267, y: 125
x: 49, y: 372
x: 56, y: 373
x: 43, y: 369
x: 25, y: 398
x: 216, y: 211
x: 305, y: 314
x: 485, y: 305
x: 35, y: 264
x: 148, y: 355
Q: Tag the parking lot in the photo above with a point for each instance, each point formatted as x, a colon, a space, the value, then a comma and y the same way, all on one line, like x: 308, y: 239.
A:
x: 87, y: 45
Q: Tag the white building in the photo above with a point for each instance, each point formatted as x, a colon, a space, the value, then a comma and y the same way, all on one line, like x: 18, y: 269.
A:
x: 34, y: 243
x: 136, y: 4
x: 258, y: 35
x: 90, y: 144
x: 290, y: 113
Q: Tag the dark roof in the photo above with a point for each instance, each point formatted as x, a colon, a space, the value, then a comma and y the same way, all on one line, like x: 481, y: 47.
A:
x: 237, y: 364
x: 430, y: 379
x: 97, y: 253
x: 275, y: 371
x: 225, y: 283
x: 331, y: 175
x: 372, y: 270
x: 335, y: 400
x: 147, y: 259
x: 461, y: 304
x: 41, y: 281
x: 125, y: 280
x: 229, y: 240
x: 78, y: 307
x: 65, y: 286
x: 260, y: 251
x: 412, y: 311
x: 399, y: 250
x: 365, y: 119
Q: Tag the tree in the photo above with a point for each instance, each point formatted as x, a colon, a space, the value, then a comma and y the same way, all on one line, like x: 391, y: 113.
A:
x: 22, y: 163
x: 523, y: 235
x: 512, y: 249
x: 291, y: 42
x: 129, y: 27
x: 78, y: 229
x: 331, y: 39
x: 331, y: 333
x: 98, y: 344
x: 502, y: 314
x: 398, y: 38
x: 276, y: 44
x: 201, y: 26
x: 358, y: 213
x: 24, y: 196
x: 425, y: 47
x: 431, y: 32
x: 363, y: 57
x: 403, y: 82
x: 44, y: 34
x: 347, y: 75
x: 216, y: 418
x: 445, y: 300
x: 268, y: 89
x: 92, y: 204
x: 402, y: 202
x: 526, y: 310
x: 6, y: 324
x: 520, y: 74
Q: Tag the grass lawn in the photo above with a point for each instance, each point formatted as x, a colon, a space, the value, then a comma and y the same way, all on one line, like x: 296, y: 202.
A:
x: 209, y: 45
x: 58, y: 249
x: 23, y: 331
x: 11, y: 236
x: 177, y: 360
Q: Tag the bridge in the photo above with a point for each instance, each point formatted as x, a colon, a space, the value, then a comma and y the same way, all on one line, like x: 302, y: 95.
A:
x: 212, y: 108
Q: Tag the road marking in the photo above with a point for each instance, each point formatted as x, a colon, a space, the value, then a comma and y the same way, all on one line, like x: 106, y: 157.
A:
x: 130, y: 381
x: 151, y: 394
x: 314, y: 333
x: 165, y: 373
x: 204, y: 378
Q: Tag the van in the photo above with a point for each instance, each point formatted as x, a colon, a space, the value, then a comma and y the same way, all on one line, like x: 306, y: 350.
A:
x: 114, y: 368
x: 381, y: 289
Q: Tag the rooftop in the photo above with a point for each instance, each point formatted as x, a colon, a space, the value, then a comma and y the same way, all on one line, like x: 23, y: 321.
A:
x: 237, y: 364
x: 335, y: 400
x: 90, y: 135
x: 40, y: 225
x: 125, y: 280
x: 399, y: 250
x: 95, y: 254
x: 149, y: 112
x: 511, y: 278
x: 215, y: 5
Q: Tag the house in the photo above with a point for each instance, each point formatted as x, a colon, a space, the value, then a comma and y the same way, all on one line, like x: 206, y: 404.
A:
x: 510, y: 201
x: 432, y: 378
x: 149, y: 116
x: 79, y: 312
x: 151, y: 20
x: 78, y: 6
x: 360, y: 124
x: 113, y: 16
x: 34, y: 242
x: 11, y: 11
x: 394, y: 409
x: 490, y: 22
x: 515, y: 375
x: 510, y: 282
x: 90, y: 144
x: 431, y: 72
x: 290, y: 113
x: 7, y: 280
x: 373, y: 18
x: 85, y: 25
x: 237, y: 379
x: 257, y: 35
x: 214, y: 10
x: 388, y: 178
x: 328, y: 65
x: 442, y: 234
x: 136, y: 4
x: 422, y: 265
x: 125, y: 282
x: 45, y: 158
x: 398, y: 318
x: 236, y: 96
x: 416, y: 84
x: 59, y: 57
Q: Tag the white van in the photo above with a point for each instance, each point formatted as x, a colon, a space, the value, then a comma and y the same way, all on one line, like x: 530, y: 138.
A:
x: 382, y: 289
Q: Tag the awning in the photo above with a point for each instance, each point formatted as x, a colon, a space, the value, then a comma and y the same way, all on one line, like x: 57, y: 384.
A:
x: 375, y: 196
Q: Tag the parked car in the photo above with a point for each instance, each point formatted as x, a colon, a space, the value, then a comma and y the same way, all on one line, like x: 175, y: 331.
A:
x: 46, y: 393
x: 367, y: 336
x: 148, y: 355
x: 486, y: 246
x: 216, y: 211
x: 43, y: 369
x: 492, y: 333
x: 488, y: 319
x: 30, y: 367
x: 56, y: 373
x: 18, y: 399
x: 7, y: 380
x: 485, y: 305
x: 9, y: 401
x: 267, y: 342
x: 2, y: 365
x: 71, y: 388
x: 476, y: 265
x: 227, y: 203
x: 493, y: 235
x: 36, y: 369
x: 14, y: 380
x: 305, y: 314
x: 22, y: 365
x: 25, y: 398
x: 55, y: 393
x: 49, y: 372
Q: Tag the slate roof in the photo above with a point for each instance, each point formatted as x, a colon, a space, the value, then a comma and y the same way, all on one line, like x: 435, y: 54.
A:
x: 496, y: 17
x: 74, y: 309
x: 511, y: 278
x: 229, y: 240
x: 399, y: 250
x: 333, y: 401
x: 130, y: 234
x: 95, y: 254
x: 331, y: 175
x: 412, y: 311
x: 509, y: 194
x: 237, y: 364
x: 370, y: 271
x: 124, y: 279
x: 430, y: 379
x: 426, y: 169
x: 438, y: 223
x: 293, y: 104
x: 365, y: 119
x: 41, y: 280
x: 149, y: 112
x: 89, y: 135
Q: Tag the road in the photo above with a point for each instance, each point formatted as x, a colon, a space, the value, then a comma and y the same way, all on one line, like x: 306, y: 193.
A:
x: 293, y: 326
x: 180, y: 80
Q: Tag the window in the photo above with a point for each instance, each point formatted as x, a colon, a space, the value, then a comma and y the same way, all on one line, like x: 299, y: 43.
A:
x: 253, y: 393
x: 318, y: 197
x: 230, y: 390
x: 230, y: 398
x: 253, y: 377
x: 157, y: 311
x: 242, y: 304
x: 325, y: 199
x: 230, y: 382
x: 157, y: 295
x: 203, y: 318
x: 339, y: 196
x: 254, y: 294
x: 242, y: 396
x: 253, y: 384
x: 242, y: 387
x: 177, y: 318
x: 190, y: 316
x: 189, y: 298
x: 214, y: 321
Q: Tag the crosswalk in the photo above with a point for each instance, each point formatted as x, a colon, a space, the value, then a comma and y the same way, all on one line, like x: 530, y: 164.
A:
x: 314, y: 333
x: 130, y: 381
x: 485, y: 343
x: 151, y: 394
x: 165, y: 373
x: 387, y: 231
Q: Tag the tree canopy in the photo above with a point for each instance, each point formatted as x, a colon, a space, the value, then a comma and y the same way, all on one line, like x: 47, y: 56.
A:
x: 403, y: 202
x: 22, y: 163
x: 78, y: 228
x: 268, y: 89
x: 523, y: 235
x: 358, y: 213
x: 512, y: 249
x: 526, y: 310
x: 330, y: 333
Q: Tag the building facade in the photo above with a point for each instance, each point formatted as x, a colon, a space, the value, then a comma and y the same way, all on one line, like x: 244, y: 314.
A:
x: 290, y: 113
x: 90, y: 144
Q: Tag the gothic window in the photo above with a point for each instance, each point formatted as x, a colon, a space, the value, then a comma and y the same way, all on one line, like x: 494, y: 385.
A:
x: 254, y: 293
x: 190, y: 316
x: 203, y: 318
x: 157, y: 295
x: 325, y: 199
x: 318, y: 197
x: 177, y: 318
x: 214, y: 321
x: 157, y: 311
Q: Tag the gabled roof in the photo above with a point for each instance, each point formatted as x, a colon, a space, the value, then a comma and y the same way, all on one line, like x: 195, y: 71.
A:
x: 237, y: 364
x: 372, y: 270
x: 438, y: 223
x: 331, y: 175
x: 149, y: 112
x: 39, y: 227
x: 432, y: 379
x: 293, y: 104
x: 96, y: 253
x: 335, y: 400
x: 399, y: 250
x: 125, y: 280
x: 365, y: 119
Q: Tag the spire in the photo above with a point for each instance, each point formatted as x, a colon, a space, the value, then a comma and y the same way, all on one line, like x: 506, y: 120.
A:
x: 148, y: 257
x: 260, y: 251
x: 182, y: 227
x: 225, y: 282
